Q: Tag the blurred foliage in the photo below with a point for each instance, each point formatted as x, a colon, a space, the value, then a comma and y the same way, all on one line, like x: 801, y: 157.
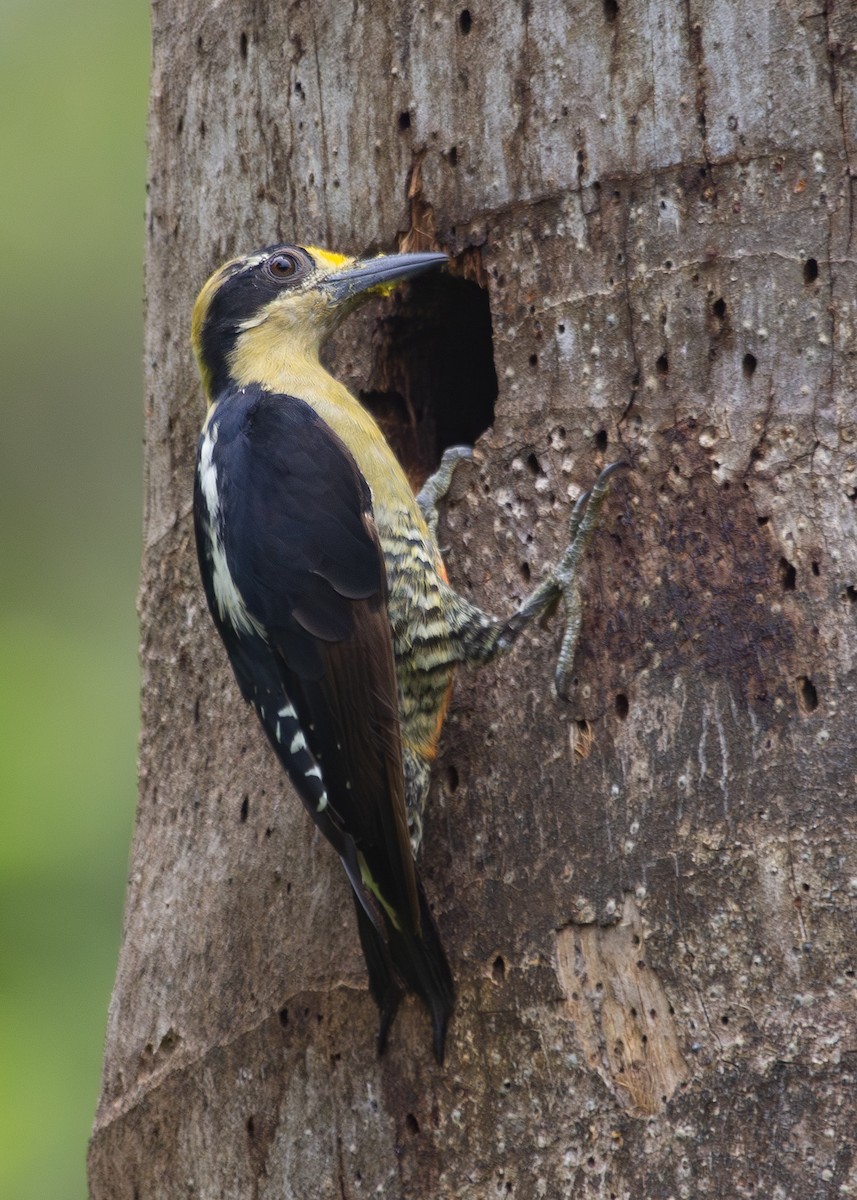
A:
x: 73, y: 84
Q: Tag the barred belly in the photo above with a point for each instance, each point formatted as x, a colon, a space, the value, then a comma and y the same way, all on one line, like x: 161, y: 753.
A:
x: 425, y: 657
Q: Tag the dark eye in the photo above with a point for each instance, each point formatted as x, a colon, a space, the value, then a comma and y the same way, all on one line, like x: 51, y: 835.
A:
x: 283, y: 266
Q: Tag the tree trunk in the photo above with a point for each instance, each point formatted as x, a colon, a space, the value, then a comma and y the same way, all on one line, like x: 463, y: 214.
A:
x: 647, y: 893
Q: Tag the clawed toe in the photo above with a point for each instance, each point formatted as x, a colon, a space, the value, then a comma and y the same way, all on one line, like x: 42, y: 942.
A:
x: 584, y: 520
x: 437, y: 485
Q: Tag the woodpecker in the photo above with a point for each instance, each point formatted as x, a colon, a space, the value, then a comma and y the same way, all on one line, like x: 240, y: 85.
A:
x: 324, y: 580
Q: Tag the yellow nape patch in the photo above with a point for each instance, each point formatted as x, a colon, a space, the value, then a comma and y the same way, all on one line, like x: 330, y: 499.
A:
x: 200, y: 311
x: 328, y: 259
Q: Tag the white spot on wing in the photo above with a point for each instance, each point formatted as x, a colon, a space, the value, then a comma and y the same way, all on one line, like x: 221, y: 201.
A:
x: 314, y: 770
x: 298, y: 743
x: 230, y: 603
x: 208, y: 472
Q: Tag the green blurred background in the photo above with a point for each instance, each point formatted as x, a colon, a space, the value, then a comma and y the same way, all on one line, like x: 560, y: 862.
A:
x: 73, y: 81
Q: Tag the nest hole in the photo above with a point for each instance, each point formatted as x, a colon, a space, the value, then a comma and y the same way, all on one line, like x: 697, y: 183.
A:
x: 433, y: 382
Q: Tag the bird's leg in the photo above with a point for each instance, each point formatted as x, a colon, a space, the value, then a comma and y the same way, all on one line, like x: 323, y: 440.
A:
x: 438, y: 484
x: 584, y: 519
x: 480, y: 637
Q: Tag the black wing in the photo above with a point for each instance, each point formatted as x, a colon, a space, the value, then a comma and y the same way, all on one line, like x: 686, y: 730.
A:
x: 291, y: 516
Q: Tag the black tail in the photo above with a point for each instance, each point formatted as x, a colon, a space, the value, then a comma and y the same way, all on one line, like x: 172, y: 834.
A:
x: 385, y: 988
x: 417, y: 962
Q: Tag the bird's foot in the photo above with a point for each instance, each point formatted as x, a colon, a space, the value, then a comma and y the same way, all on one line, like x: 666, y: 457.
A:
x: 584, y: 520
x: 437, y: 485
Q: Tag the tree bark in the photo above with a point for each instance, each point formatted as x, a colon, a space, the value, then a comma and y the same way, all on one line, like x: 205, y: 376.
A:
x: 647, y: 893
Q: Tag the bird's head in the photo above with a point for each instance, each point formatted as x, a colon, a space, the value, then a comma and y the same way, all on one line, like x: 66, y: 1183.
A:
x: 284, y: 301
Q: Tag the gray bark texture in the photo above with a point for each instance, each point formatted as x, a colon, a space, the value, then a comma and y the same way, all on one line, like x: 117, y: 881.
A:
x: 648, y: 892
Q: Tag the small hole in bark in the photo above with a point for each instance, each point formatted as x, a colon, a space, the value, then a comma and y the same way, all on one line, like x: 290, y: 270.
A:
x: 452, y: 156
x: 560, y: 329
x: 724, y: 1020
x: 816, y: 569
x: 404, y: 120
x: 525, y: 572
x: 180, y: 125
x: 601, y: 440
x: 284, y: 1017
x: 498, y: 970
x: 748, y: 365
x: 251, y: 1128
x: 807, y: 694
x: 621, y: 706
x: 810, y: 270
x: 452, y: 778
x: 465, y: 21
x: 788, y: 575
x: 534, y: 465
x: 762, y: 520
x: 805, y: 886
x: 242, y: 45
x: 534, y: 360
x: 719, y: 308
x: 662, y: 365
x: 850, y: 593
x: 245, y: 808
x: 412, y: 1124
x: 611, y: 10
x: 196, y: 711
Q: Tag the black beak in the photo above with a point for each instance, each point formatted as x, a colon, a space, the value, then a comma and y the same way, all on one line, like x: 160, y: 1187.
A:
x: 379, y: 272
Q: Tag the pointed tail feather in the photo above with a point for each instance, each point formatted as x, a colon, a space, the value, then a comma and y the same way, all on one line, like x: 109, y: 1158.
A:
x: 383, y: 984
x: 399, y: 957
x: 423, y: 966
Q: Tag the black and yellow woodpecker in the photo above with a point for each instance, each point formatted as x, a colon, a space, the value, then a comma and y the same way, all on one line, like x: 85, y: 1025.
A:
x: 324, y: 580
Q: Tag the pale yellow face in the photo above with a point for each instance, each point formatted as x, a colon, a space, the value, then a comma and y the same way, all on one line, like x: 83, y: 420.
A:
x: 300, y: 317
x: 264, y: 317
